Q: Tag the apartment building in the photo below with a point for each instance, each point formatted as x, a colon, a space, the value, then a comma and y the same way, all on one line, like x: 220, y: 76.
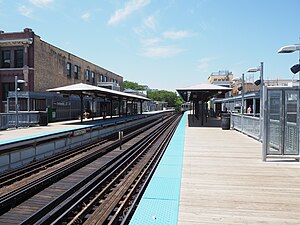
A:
x: 43, y: 66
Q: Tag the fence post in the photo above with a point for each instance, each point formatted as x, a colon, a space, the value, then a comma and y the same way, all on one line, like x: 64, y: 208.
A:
x: 264, y: 124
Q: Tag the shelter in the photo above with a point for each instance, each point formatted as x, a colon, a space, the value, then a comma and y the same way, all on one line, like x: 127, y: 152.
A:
x: 82, y: 90
x: 199, y: 95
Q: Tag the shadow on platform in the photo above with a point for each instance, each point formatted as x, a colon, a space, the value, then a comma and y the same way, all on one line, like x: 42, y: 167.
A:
x: 209, y: 122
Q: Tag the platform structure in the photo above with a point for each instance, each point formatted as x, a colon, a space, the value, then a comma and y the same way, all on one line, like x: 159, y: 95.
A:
x: 223, y: 181
x: 210, y: 176
x: 13, y: 135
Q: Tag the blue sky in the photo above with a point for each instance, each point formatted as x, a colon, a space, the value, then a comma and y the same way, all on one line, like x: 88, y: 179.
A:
x: 166, y: 44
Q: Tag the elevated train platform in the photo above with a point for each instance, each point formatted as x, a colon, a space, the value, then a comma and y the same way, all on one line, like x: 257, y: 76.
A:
x: 223, y: 181
x: 21, y: 134
x: 207, y: 176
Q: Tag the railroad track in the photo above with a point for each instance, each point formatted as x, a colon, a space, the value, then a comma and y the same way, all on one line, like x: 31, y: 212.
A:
x: 15, y: 175
x: 59, y: 194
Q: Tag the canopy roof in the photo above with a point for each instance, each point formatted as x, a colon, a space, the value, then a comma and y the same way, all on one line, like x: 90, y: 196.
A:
x: 201, y: 92
x: 86, y: 89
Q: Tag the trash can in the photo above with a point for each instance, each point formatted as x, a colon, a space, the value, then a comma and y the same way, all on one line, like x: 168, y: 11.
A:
x: 225, y: 121
x: 43, y: 119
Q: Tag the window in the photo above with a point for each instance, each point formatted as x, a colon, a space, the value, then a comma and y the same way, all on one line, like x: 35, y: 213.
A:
x: 105, y: 79
x: 76, y: 71
x: 69, y: 69
x: 87, y: 75
x: 93, y: 77
x: 6, y: 59
x: 6, y: 87
x: 19, y: 58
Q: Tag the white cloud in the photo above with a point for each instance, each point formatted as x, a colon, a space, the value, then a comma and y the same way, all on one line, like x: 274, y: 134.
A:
x: 161, y: 52
x: 86, y: 16
x: 176, y: 34
x: 41, y: 3
x: 128, y: 9
x: 25, y: 11
x: 204, y: 63
x: 150, y: 41
x: 150, y: 22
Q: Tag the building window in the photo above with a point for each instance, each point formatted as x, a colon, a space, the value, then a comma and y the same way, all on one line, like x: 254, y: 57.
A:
x: 76, y: 71
x: 19, y: 63
x: 6, y: 58
x: 69, y: 69
x: 93, y: 77
x: 87, y: 75
x: 6, y: 87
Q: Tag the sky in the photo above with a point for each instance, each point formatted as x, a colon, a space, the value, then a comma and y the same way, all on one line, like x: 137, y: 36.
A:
x: 166, y: 44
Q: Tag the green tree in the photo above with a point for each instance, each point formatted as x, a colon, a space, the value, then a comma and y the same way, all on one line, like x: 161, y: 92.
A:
x: 132, y: 85
x: 170, y: 97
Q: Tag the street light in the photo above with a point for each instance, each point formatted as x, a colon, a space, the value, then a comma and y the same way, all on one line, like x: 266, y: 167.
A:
x: 243, y: 93
x: 242, y: 89
x: 290, y: 49
x: 261, y: 83
x: 16, y: 98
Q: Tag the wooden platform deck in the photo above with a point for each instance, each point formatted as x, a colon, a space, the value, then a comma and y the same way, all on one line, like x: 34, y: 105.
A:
x: 224, y: 181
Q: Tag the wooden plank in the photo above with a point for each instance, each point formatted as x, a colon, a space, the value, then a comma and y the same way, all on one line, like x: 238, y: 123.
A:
x: 224, y: 181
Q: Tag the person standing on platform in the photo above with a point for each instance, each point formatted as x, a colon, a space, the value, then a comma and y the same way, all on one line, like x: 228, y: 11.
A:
x: 249, y: 110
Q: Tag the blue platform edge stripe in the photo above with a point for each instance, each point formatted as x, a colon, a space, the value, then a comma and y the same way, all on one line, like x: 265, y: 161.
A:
x: 160, y: 202
x: 68, y: 130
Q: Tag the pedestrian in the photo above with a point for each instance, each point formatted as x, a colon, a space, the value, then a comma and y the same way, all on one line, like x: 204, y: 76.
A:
x: 249, y: 109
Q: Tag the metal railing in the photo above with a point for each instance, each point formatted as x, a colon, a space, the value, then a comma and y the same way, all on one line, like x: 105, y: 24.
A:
x: 247, y: 124
x: 280, y: 129
x: 25, y: 119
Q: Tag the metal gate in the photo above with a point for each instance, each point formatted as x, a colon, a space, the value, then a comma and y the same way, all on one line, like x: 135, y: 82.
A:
x: 281, y: 122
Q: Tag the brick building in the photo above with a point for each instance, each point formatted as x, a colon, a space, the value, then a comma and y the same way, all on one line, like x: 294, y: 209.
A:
x: 44, y: 66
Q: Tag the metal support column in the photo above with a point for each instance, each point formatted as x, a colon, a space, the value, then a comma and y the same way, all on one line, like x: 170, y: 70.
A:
x: 265, y: 121
x: 111, y: 107
x: 261, y: 110
x: 81, y: 107
x: 119, y: 107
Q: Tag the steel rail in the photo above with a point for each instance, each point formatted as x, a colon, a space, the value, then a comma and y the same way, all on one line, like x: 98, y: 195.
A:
x: 140, y: 188
x: 128, y: 197
x: 19, y: 195
x: 58, y: 215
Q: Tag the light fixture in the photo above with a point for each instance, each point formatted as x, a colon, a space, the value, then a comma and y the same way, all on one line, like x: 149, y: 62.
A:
x: 295, y: 68
x: 289, y: 49
x: 253, y: 70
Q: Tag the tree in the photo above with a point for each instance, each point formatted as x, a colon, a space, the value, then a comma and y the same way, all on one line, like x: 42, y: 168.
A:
x: 170, y: 97
x: 166, y: 96
x: 132, y: 85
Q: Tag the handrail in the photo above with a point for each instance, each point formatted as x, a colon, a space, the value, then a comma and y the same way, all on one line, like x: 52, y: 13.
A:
x: 25, y: 119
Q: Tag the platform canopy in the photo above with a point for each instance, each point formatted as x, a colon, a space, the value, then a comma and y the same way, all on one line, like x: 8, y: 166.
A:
x: 86, y: 89
x: 201, y: 92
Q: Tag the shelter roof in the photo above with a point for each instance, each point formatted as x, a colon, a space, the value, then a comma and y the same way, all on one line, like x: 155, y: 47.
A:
x: 86, y: 89
x: 201, y: 92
